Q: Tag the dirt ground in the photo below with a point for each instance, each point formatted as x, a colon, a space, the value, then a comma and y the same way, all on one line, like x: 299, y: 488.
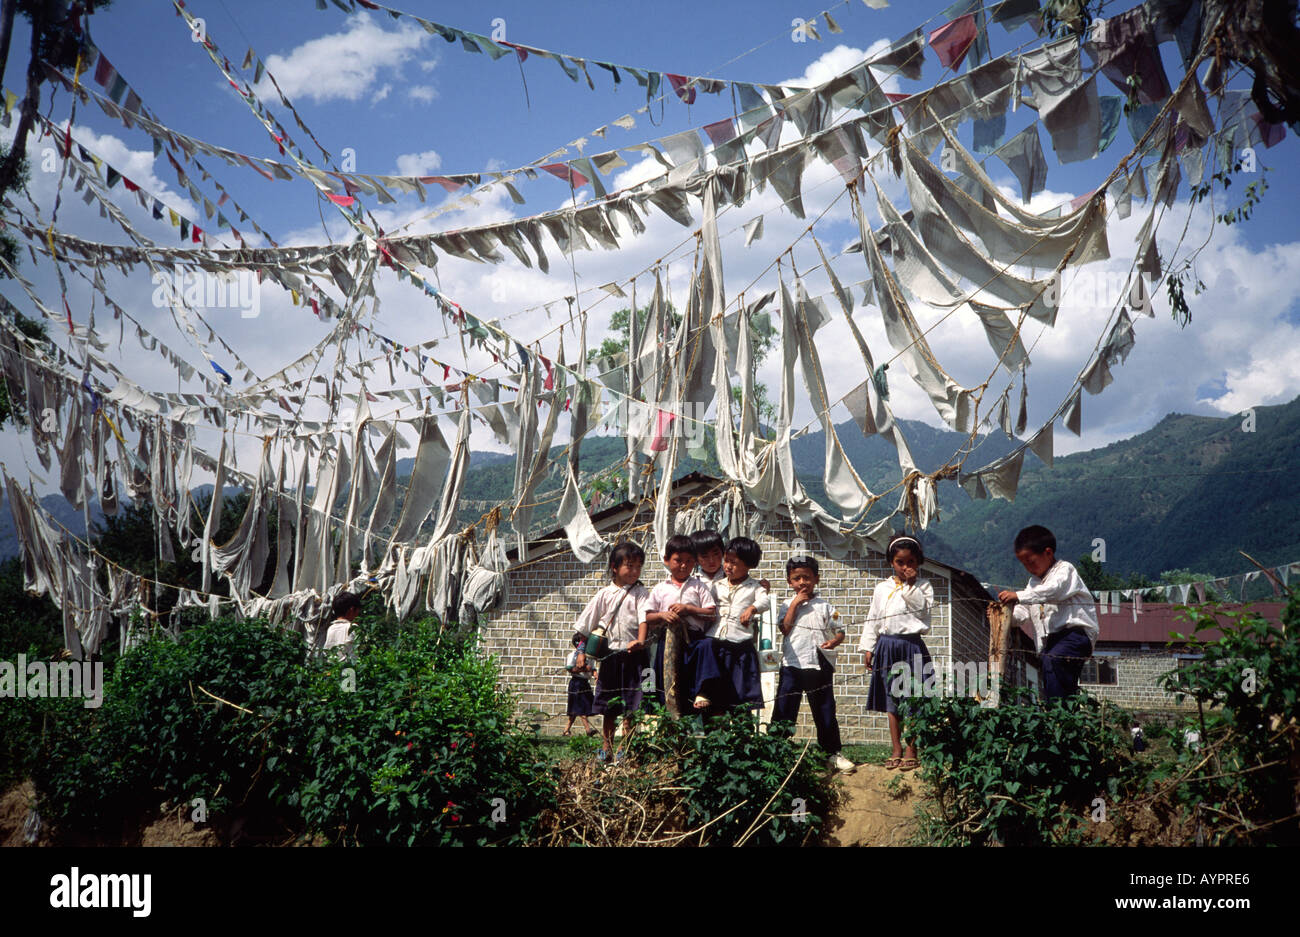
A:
x: 869, y: 815
x: 872, y: 814
x: 167, y: 828
x: 15, y: 806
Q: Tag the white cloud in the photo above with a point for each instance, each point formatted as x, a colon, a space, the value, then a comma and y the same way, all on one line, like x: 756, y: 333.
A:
x: 418, y: 164
x: 834, y: 62
x: 425, y: 93
x: 343, y: 66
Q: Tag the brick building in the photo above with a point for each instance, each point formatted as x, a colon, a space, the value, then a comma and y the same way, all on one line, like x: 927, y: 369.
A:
x: 530, y: 632
x: 1134, y: 650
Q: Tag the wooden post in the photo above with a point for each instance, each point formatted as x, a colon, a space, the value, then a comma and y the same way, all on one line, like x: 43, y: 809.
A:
x: 1000, y: 625
x: 674, y: 652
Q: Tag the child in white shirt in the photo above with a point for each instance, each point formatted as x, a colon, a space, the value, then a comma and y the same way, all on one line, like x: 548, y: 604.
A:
x: 683, y: 601
x: 338, y: 639
x: 726, y: 659
x: 891, y: 641
x: 620, y: 608
x: 812, y: 631
x: 580, y: 699
x: 708, y: 552
x: 1059, y: 608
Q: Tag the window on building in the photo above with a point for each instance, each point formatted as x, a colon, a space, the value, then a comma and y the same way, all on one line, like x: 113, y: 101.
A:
x: 1185, y: 659
x: 1102, y: 669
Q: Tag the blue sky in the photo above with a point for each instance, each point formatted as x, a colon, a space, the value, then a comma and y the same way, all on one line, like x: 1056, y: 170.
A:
x: 405, y: 101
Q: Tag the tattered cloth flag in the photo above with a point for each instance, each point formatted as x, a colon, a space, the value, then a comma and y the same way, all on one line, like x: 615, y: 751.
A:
x: 680, y: 83
x: 952, y: 41
x: 567, y: 173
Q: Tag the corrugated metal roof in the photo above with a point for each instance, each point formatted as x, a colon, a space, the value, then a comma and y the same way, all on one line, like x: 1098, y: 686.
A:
x: 1157, y: 620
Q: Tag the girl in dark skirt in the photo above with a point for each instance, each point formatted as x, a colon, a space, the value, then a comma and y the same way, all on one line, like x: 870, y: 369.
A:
x: 580, y: 696
x: 892, y: 649
x: 726, y: 670
x: 619, y: 610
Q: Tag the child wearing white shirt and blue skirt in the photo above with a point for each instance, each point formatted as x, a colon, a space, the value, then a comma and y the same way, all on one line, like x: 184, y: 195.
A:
x: 618, y: 609
x: 726, y: 660
x: 891, y: 641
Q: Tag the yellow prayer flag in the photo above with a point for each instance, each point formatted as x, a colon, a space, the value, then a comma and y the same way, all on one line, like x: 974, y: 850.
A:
x: 113, y: 427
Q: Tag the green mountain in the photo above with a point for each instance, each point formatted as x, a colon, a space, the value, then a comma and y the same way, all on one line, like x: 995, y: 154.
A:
x: 1188, y: 493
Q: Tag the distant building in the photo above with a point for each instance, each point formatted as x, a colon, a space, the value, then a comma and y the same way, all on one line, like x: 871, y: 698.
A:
x: 530, y: 632
x: 1134, y: 651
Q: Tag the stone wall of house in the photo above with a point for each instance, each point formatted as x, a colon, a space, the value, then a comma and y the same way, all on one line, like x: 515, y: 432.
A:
x: 531, y: 634
x: 1138, y: 673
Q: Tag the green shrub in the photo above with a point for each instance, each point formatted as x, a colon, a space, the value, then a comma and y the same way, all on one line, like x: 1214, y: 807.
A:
x: 766, y: 789
x: 1019, y: 774
x: 1241, y: 782
x: 413, y: 743
x: 424, y: 750
x: 180, y: 720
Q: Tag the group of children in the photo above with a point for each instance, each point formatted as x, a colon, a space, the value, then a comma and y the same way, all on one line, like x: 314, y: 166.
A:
x: 718, y: 612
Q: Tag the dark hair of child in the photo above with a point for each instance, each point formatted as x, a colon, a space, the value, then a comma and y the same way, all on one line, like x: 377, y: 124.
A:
x: 904, y: 542
x: 623, y: 552
x: 578, y: 640
x: 1035, y: 539
x: 679, y: 543
x: 802, y: 562
x: 706, y: 540
x: 746, y: 550
x: 345, y: 603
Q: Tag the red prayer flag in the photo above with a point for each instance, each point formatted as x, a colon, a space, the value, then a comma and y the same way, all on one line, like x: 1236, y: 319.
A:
x: 679, y: 83
x: 451, y: 185
x: 567, y: 173
x: 519, y: 50
x: 953, y: 40
x: 254, y: 166
x: 104, y: 71
x: 721, y: 131
x: 663, y: 426
x: 1077, y: 203
x: 347, y: 201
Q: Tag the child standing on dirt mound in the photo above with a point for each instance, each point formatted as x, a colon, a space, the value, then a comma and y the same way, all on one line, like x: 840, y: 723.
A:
x: 619, y: 611
x: 812, y: 631
x: 891, y: 640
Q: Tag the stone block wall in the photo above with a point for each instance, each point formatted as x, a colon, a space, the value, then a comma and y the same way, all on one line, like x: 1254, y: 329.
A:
x: 1137, y: 673
x: 531, y: 634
